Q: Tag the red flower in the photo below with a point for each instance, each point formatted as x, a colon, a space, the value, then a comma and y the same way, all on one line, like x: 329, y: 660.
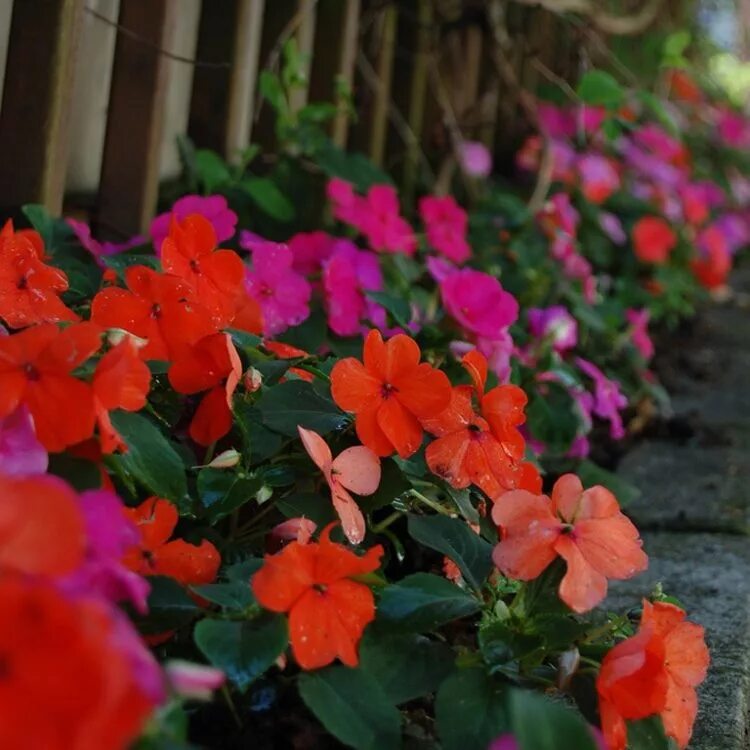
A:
x: 213, y: 365
x: 216, y: 276
x: 121, y: 381
x: 654, y: 672
x: 653, y: 240
x: 390, y: 393
x: 41, y: 527
x: 714, y: 262
x: 287, y: 351
x: 160, y: 308
x: 584, y: 527
x: 35, y: 369
x: 66, y: 682
x: 29, y: 290
x: 156, y: 556
x: 328, y: 611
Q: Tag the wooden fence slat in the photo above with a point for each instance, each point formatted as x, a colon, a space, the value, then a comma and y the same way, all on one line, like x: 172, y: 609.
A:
x: 305, y: 41
x: 347, y: 61
x: 36, y: 102
x: 384, y: 71
x: 243, y: 77
x: 130, y: 166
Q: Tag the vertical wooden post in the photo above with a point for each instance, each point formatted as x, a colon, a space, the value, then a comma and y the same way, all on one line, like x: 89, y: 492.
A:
x: 305, y: 40
x: 384, y: 72
x: 130, y: 167
x: 36, y: 102
x: 243, y: 77
x: 347, y: 60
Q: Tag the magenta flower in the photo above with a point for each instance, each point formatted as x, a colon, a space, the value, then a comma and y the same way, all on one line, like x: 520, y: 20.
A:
x: 478, y: 302
x: 504, y: 742
x: 638, y: 320
x: 195, y: 681
x: 559, y: 216
x: 347, y: 205
x: 21, y: 454
x: 82, y: 232
x: 733, y: 129
x: 212, y: 207
x: 439, y: 268
x: 607, y: 400
x: 556, y: 324
x: 599, y: 178
x: 498, y: 351
x: 447, y: 224
x: 475, y: 159
x: 283, y: 294
x: 310, y: 249
x: 109, y: 534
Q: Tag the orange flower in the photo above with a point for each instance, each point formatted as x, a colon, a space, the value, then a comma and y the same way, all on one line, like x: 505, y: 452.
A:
x: 41, y: 526
x: 213, y: 365
x: 35, y: 369
x: 328, y: 611
x: 216, y: 276
x: 584, y: 527
x: 356, y: 469
x: 655, y: 671
x: 287, y: 351
x: 121, y: 381
x: 653, y: 240
x: 156, y: 556
x: 67, y: 681
x: 390, y: 393
x: 29, y: 290
x: 158, y: 307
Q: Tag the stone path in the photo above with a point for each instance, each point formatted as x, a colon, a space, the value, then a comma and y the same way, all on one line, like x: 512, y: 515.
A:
x: 694, y: 510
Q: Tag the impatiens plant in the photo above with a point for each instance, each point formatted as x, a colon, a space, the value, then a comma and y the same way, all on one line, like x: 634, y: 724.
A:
x: 344, y: 462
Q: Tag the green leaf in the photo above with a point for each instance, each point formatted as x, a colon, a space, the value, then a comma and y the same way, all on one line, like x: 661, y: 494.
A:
x: 600, y: 88
x: 269, y: 199
x: 55, y: 232
x: 317, y: 508
x: 222, y: 492
x: 470, y: 711
x: 150, y: 458
x: 648, y: 734
x: 352, y: 167
x: 271, y: 90
x: 393, y: 484
x: 552, y: 417
x: 169, y: 606
x: 405, y: 666
x: 591, y: 474
x: 260, y: 442
x: 398, y: 307
x: 288, y: 405
x: 235, y: 595
x: 352, y: 707
x: 122, y: 261
x: 423, y: 602
x: 243, y: 650
x: 543, y: 724
x: 78, y: 472
x: 454, y: 538
x: 211, y: 170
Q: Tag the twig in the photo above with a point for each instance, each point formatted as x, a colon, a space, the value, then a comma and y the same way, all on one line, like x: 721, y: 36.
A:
x: 543, y: 180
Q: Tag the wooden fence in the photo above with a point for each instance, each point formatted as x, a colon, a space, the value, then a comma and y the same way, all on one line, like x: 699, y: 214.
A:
x: 100, y: 88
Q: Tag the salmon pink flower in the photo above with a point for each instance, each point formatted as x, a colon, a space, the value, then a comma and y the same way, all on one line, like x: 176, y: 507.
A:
x: 446, y: 223
x: 478, y: 302
x: 155, y: 555
x: 328, y: 611
x: 211, y: 365
x: 356, y: 469
x: 92, y: 695
x: 584, y: 527
x: 653, y: 240
x: 161, y: 308
x: 216, y: 276
x: 213, y: 208
x: 35, y: 370
x: 21, y: 453
x: 389, y: 393
x: 29, y: 290
x: 121, y: 381
x: 41, y: 525
x: 283, y: 294
x: 298, y: 529
x: 655, y: 671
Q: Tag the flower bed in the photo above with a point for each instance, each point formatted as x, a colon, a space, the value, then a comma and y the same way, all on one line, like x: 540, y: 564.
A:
x: 358, y: 476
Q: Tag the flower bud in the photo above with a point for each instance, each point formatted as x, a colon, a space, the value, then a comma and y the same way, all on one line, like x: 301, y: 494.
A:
x: 225, y: 460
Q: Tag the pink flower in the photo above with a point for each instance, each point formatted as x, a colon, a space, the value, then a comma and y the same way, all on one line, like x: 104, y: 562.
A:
x: 638, y: 320
x: 478, y: 302
x: 283, y: 294
x: 612, y: 227
x: 110, y: 535
x: 475, y: 159
x: 439, y: 268
x: 498, y: 351
x: 21, y: 454
x: 196, y: 681
x: 82, y: 232
x: 607, y: 400
x: 556, y: 324
x: 347, y: 274
x: 559, y: 216
x: 733, y: 129
x: 447, y: 224
x: 599, y: 178
x: 504, y: 742
x: 310, y: 250
x: 212, y: 207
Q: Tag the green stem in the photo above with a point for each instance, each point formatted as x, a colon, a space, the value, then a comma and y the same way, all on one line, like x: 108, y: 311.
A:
x: 431, y: 503
x: 386, y: 522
